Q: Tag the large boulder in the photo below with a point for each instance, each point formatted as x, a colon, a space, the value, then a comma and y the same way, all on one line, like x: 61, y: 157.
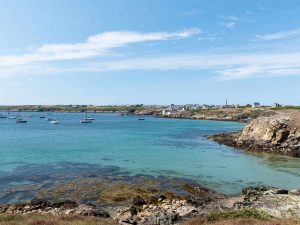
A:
x: 279, y: 133
x: 275, y: 129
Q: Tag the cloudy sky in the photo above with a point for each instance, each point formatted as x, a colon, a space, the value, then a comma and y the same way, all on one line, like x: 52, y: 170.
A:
x: 149, y: 51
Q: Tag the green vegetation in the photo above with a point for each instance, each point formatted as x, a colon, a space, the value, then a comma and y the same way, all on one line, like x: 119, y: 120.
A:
x: 287, y: 107
x: 245, y: 213
x: 240, y: 217
x: 72, y: 108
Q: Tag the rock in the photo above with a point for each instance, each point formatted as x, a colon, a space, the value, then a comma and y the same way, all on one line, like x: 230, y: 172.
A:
x: 138, y: 201
x: 57, y: 208
x: 162, y: 219
x: 294, y: 192
x: 95, y: 213
x: 67, y: 204
x: 133, y: 210
x: 281, y: 191
x: 36, y: 204
x: 278, y: 134
x: 255, y: 190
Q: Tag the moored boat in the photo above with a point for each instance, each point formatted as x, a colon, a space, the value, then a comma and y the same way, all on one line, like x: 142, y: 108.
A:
x: 86, y: 119
x: 54, y: 122
x: 21, y: 121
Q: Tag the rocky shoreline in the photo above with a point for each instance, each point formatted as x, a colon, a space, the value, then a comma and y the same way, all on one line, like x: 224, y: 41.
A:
x: 278, y: 134
x: 226, y: 114
x: 163, y: 210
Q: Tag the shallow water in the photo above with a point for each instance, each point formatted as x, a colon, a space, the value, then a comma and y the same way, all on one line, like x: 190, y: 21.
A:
x: 114, y: 145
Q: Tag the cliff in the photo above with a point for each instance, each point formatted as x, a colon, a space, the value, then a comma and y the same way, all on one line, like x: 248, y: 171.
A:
x: 279, y: 133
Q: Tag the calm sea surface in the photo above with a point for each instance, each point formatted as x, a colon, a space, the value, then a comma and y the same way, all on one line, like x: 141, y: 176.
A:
x: 116, y: 145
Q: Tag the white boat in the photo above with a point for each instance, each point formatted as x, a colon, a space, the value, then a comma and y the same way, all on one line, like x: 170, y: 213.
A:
x: 21, y: 121
x: 54, y: 122
x: 12, y: 117
x: 49, y: 119
x: 90, y: 118
x: 86, y: 119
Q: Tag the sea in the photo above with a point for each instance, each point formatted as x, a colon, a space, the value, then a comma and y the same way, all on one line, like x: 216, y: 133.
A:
x: 113, y: 145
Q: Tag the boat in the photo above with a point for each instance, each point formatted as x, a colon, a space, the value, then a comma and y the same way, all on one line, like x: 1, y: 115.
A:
x: 86, y: 119
x: 3, y: 116
x: 141, y: 119
x: 42, y: 117
x: 12, y: 117
x: 53, y: 120
x: 21, y: 121
x: 90, y: 118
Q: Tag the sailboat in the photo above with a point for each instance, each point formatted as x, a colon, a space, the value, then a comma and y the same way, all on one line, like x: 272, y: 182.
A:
x: 85, y: 120
x: 48, y: 118
x: 21, y: 120
x: 53, y: 121
x: 2, y: 116
x: 90, y: 118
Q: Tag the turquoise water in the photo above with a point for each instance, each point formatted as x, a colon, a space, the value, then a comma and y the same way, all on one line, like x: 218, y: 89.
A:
x: 116, y: 145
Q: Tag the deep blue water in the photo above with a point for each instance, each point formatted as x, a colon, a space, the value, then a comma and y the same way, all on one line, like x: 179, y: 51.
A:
x: 116, y: 145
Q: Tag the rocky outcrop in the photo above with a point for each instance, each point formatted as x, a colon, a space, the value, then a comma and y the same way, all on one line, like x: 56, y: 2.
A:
x: 279, y: 203
x: 55, y: 208
x: 162, y: 210
x: 275, y: 134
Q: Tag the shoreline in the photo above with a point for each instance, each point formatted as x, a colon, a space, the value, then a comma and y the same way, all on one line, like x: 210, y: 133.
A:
x: 170, y: 209
x: 145, y: 204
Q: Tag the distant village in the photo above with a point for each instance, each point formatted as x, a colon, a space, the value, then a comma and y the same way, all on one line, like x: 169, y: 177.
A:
x: 165, y: 109
x: 168, y: 110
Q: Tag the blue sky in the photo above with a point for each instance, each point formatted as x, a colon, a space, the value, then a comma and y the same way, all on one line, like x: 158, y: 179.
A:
x: 149, y: 51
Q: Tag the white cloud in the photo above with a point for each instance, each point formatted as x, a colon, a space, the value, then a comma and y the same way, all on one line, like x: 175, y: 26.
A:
x: 47, y: 59
x: 95, y: 45
x: 224, y: 66
x: 278, y: 35
x: 239, y: 72
x: 229, y: 21
x: 228, y: 24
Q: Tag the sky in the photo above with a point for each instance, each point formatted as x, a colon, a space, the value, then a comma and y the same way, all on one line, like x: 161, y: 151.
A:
x: 107, y: 52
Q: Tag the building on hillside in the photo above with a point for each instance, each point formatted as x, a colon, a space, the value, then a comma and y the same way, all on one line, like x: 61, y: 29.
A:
x: 256, y: 105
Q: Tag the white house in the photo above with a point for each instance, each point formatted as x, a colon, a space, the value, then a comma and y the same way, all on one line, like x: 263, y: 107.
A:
x: 256, y: 105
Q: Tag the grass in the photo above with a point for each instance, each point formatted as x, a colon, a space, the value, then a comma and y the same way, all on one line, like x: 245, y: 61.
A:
x: 240, y: 217
x: 35, y: 219
x: 287, y: 107
x: 245, y: 213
